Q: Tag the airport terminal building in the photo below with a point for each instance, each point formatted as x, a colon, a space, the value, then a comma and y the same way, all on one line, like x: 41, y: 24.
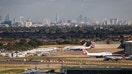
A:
x: 128, y: 47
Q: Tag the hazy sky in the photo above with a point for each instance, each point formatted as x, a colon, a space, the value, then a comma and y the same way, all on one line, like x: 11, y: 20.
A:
x: 67, y: 9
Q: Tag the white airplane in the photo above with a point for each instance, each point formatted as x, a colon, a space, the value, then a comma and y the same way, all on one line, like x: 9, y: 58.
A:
x: 116, y: 58
x: 97, y: 55
x: 75, y: 48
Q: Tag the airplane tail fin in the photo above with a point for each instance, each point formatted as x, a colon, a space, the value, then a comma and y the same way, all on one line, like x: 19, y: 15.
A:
x: 85, y: 52
x: 92, y: 45
x: 85, y: 44
x: 123, y: 56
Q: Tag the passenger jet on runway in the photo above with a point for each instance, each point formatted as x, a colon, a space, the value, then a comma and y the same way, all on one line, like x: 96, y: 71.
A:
x: 75, y: 48
x: 97, y: 55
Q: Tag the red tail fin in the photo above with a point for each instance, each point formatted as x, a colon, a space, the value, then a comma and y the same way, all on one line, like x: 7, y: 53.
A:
x: 92, y: 45
x: 85, y: 44
x: 123, y: 56
x: 85, y: 52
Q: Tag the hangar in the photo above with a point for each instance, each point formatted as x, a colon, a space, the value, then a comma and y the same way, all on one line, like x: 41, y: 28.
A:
x: 128, y: 47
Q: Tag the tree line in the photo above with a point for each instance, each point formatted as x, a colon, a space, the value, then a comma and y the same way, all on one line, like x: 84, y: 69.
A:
x: 21, y: 45
x: 25, y: 38
x: 99, y: 32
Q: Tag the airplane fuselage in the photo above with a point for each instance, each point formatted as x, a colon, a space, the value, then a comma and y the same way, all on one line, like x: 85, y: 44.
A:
x: 101, y: 54
x: 73, y: 48
x: 112, y: 58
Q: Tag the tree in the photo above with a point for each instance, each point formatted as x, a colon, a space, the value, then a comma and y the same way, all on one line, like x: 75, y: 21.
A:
x: 1, y: 46
x: 35, y: 43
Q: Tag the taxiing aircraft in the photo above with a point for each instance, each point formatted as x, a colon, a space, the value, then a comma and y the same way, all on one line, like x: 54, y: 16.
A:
x: 116, y: 58
x: 97, y: 55
x: 75, y: 48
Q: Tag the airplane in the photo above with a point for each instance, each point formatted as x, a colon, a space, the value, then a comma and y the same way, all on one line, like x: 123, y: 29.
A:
x: 75, y: 48
x: 116, y: 58
x: 33, y: 71
x: 97, y: 55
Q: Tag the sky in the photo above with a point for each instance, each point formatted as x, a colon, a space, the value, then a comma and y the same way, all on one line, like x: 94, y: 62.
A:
x: 66, y: 9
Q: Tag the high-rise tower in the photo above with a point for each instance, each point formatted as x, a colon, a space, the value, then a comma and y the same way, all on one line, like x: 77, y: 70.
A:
x: 7, y: 20
x: 56, y: 19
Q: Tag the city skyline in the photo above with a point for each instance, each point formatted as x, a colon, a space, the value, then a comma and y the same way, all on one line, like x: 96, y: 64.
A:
x: 66, y: 9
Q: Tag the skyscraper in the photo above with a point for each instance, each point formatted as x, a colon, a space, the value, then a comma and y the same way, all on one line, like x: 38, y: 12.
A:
x: 7, y: 20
